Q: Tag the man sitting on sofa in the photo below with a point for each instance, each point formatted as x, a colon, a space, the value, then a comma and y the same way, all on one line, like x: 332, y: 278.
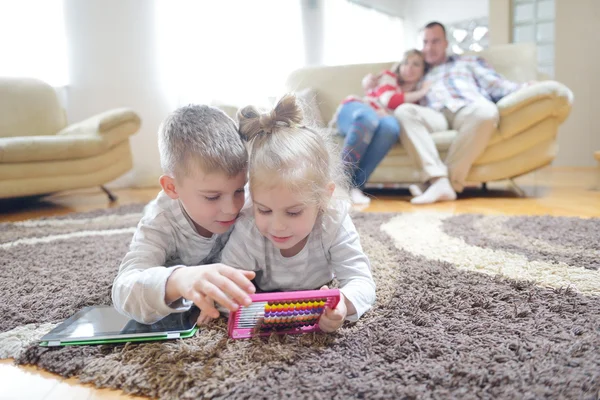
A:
x: 464, y: 90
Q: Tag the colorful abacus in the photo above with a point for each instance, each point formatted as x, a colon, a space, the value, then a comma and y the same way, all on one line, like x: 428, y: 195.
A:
x: 282, y: 313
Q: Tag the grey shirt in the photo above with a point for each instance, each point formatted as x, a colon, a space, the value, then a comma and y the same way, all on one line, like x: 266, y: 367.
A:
x: 333, y: 250
x: 165, y: 240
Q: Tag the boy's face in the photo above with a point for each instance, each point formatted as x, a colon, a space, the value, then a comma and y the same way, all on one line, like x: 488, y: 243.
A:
x: 212, y: 200
x: 284, y: 218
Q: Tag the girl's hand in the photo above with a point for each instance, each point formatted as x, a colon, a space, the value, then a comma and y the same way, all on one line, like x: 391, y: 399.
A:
x: 369, y: 82
x: 332, y: 320
x: 382, y: 112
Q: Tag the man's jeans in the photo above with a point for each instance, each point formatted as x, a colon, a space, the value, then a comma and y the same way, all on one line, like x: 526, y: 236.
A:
x: 369, y: 138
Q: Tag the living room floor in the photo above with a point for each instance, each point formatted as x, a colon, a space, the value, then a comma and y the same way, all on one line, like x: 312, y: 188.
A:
x: 558, y: 191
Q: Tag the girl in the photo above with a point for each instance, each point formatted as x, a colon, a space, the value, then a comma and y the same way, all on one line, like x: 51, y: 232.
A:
x: 297, y: 235
x: 369, y: 129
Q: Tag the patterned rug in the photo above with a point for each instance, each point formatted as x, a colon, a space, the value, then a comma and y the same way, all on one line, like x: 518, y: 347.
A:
x: 468, y: 306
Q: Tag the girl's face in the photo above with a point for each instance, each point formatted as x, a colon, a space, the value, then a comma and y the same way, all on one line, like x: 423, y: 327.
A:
x: 284, y: 217
x: 412, y: 69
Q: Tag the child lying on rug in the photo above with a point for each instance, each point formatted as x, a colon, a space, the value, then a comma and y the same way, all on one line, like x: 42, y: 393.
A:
x: 296, y: 236
x: 205, y: 170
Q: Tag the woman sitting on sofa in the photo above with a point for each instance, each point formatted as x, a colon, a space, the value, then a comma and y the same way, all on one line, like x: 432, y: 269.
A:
x: 367, y: 122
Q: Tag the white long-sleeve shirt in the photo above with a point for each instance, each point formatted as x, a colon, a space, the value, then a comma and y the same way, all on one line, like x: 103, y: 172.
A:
x: 165, y: 240
x: 333, y: 249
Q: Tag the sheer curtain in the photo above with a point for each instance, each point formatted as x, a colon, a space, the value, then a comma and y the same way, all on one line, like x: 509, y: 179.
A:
x: 230, y: 51
x: 33, y: 41
x: 355, y: 34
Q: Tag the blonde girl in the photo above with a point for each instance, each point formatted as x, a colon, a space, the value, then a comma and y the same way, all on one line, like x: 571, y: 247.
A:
x: 297, y: 234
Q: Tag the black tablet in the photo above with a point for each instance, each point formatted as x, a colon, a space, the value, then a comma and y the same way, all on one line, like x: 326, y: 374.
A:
x: 104, y: 324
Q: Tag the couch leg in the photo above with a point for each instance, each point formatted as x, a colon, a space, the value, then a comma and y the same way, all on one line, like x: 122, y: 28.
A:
x: 520, y: 192
x: 484, y: 187
x: 110, y: 194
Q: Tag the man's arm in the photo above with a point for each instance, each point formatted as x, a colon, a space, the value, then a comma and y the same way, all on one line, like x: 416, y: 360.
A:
x: 492, y: 82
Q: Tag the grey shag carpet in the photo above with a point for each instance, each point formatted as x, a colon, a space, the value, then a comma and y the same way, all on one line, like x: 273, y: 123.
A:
x: 468, y: 306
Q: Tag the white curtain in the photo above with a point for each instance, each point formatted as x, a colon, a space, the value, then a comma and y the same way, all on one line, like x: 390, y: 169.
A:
x: 355, y: 34
x: 33, y: 41
x: 230, y: 51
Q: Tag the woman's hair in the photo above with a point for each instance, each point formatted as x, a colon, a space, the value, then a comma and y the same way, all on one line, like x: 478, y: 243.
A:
x: 283, y: 151
x: 408, y: 53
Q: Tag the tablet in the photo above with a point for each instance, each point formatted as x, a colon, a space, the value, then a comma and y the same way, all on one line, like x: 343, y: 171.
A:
x: 104, y: 324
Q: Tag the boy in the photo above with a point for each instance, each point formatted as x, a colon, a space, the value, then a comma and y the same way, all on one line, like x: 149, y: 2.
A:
x: 173, y: 257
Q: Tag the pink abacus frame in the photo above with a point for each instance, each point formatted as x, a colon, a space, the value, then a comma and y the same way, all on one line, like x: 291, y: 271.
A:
x: 330, y: 297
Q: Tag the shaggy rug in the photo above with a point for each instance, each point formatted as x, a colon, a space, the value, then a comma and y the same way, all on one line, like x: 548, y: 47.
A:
x: 468, y: 306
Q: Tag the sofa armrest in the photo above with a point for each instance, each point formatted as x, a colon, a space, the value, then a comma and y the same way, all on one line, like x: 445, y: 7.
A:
x: 114, y: 126
x: 24, y: 149
x: 562, y: 96
x: 530, y: 105
x: 87, y: 138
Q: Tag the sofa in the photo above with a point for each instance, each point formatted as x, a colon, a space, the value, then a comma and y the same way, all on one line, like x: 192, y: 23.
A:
x: 40, y: 153
x: 524, y: 141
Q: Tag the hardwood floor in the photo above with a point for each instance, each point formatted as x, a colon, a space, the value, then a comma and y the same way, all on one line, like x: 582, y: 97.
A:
x: 552, y: 191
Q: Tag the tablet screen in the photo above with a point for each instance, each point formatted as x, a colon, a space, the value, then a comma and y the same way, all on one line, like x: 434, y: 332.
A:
x: 100, y: 322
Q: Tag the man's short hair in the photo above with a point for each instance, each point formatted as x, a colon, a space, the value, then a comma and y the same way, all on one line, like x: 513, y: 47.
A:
x: 434, y: 24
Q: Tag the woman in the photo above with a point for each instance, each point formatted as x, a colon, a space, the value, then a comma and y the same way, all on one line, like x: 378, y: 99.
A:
x: 366, y: 122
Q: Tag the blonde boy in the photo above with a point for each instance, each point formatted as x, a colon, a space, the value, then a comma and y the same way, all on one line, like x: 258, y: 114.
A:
x: 173, y: 260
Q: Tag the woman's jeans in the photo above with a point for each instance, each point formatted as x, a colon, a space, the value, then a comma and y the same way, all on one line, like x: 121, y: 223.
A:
x: 369, y: 137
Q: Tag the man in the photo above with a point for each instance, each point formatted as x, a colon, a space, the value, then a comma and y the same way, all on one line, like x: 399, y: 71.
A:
x: 464, y: 90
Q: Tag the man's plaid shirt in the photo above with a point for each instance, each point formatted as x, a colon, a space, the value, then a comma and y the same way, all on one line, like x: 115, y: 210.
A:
x: 462, y: 80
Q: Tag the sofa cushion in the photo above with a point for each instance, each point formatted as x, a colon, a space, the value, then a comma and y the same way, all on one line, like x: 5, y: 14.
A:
x: 29, y: 107
x: 309, y: 103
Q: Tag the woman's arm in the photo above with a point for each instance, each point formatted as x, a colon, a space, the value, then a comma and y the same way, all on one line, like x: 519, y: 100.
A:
x: 414, y: 97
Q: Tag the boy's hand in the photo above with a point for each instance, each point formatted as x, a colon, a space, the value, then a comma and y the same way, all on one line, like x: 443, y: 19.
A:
x: 332, y: 320
x: 207, y: 284
x: 204, y: 318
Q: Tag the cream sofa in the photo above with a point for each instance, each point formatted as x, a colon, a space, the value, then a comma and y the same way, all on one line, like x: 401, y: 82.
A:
x: 40, y: 153
x: 529, y: 119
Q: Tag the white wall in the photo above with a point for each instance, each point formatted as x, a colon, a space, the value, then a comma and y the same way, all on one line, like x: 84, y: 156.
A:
x: 417, y: 13
x: 500, y: 21
x: 577, y: 64
x: 112, y: 63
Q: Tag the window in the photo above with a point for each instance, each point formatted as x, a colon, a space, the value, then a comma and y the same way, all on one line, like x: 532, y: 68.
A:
x: 471, y: 35
x: 231, y: 51
x: 33, y: 43
x: 355, y: 34
x: 533, y: 21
